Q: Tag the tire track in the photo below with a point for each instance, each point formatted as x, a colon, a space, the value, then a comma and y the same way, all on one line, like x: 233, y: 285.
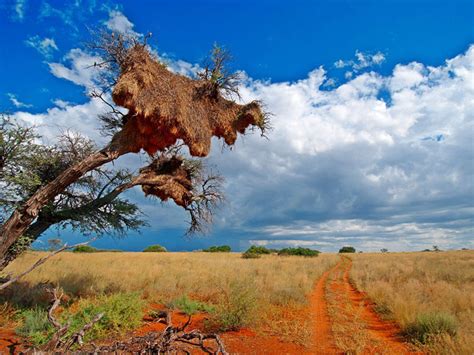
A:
x: 344, y: 321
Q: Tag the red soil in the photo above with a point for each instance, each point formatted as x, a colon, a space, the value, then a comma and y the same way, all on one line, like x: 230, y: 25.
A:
x: 9, y: 342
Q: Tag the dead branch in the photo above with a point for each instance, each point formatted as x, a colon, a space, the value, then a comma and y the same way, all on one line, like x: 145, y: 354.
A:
x: 39, y: 263
x: 174, y: 339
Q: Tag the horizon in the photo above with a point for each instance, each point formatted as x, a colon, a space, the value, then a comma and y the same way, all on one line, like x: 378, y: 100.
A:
x: 372, y: 120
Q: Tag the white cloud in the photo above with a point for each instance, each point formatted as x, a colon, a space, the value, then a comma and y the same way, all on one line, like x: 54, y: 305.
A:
x: 65, y: 117
x: 19, y: 8
x: 81, y: 70
x: 45, y: 46
x: 17, y: 103
x: 118, y: 22
x: 362, y: 61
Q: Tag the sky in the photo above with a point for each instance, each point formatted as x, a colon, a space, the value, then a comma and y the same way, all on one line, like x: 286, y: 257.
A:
x: 372, y: 108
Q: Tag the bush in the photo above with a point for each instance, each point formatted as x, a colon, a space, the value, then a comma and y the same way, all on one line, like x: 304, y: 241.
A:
x: 218, y: 249
x: 189, y: 306
x: 85, y: 249
x: 122, y: 312
x: 236, y: 309
x: 251, y: 255
x: 35, y: 326
x: 426, y: 326
x: 155, y: 249
x: 258, y: 250
x: 299, y: 251
x: 347, y: 249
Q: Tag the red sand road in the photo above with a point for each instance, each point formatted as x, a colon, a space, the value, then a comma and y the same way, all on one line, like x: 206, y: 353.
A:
x: 323, y: 341
x: 382, y: 335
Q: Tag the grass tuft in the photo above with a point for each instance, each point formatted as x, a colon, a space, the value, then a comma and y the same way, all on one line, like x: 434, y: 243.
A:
x: 189, y: 306
x: 429, y: 325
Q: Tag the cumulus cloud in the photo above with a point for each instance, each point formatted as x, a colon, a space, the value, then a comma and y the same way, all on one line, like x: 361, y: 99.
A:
x: 118, y: 22
x: 377, y: 162
x: 350, y: 165
x: 80, y: 68
x: 45, y: 46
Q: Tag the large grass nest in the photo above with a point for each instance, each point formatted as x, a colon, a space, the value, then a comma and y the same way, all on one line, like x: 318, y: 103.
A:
x: 168, y: 178
x: 165, y: 107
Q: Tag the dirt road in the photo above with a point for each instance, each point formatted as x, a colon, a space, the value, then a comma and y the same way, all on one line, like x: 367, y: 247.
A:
x: 344, y: 320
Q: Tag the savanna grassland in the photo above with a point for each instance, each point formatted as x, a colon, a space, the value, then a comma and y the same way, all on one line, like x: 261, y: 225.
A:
x: 348, y: 303
x: 264, y: 294
x: 425, y: 293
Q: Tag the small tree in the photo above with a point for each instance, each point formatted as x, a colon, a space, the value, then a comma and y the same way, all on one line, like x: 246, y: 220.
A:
x: 384, y: 250
x: 218, y: 249
x: 347, y: 249
x: 258, y: 250
x: 155, y: 249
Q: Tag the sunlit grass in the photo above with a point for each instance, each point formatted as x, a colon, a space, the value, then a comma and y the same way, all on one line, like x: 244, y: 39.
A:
x: 409, y: 286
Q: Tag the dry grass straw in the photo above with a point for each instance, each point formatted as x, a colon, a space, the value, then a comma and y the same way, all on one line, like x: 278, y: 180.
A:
x: 279, y: 286
x: 165, y: 107
x: 406, y: 285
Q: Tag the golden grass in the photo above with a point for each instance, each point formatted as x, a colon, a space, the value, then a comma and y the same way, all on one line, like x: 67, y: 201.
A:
x: 278, y: 285
x: 405, y: 285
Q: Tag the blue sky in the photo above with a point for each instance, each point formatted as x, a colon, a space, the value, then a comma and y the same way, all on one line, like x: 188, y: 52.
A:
x: 372, y: 102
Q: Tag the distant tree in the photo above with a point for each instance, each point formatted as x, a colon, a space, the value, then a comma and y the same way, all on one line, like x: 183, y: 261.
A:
x: 384, y: 250
x: 258, y: 250
x: 54, y: 244
x: 85, y: 249
x: 155, y: 249
x: 436, y: 248
x: 299, y: 251
x: 155, y: 120
x: 347, y: 249
x: 218, y: 249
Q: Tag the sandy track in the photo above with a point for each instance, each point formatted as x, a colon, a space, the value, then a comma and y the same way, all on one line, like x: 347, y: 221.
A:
x: 344, y: 319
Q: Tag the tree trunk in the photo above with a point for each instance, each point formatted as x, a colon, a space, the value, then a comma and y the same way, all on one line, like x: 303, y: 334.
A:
x: 33, y: 233
x: 22, y: 218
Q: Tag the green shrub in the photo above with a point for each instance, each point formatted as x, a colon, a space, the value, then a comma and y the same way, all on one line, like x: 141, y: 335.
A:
x: 251, y: 255
x: 35, y: 326
x: 218, y: 249
x: 299, y: 251
x: 122, y: 312
x: 85, y: 249
x: 189, y: 306
x: 426, y: 326
x: 155, y: 249
x: 258, y: 250
x: 347, y: 249
x: 236, y: 308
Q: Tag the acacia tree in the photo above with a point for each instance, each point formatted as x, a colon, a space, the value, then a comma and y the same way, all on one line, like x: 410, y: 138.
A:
x: 164, y: 108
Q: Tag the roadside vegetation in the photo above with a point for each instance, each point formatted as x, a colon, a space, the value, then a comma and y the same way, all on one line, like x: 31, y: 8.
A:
x: 430, y: 295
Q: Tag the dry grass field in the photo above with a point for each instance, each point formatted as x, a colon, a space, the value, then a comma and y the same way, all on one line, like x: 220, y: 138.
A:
x: 427, y: 297
x: 422, y: 290
x: 264, y: 293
